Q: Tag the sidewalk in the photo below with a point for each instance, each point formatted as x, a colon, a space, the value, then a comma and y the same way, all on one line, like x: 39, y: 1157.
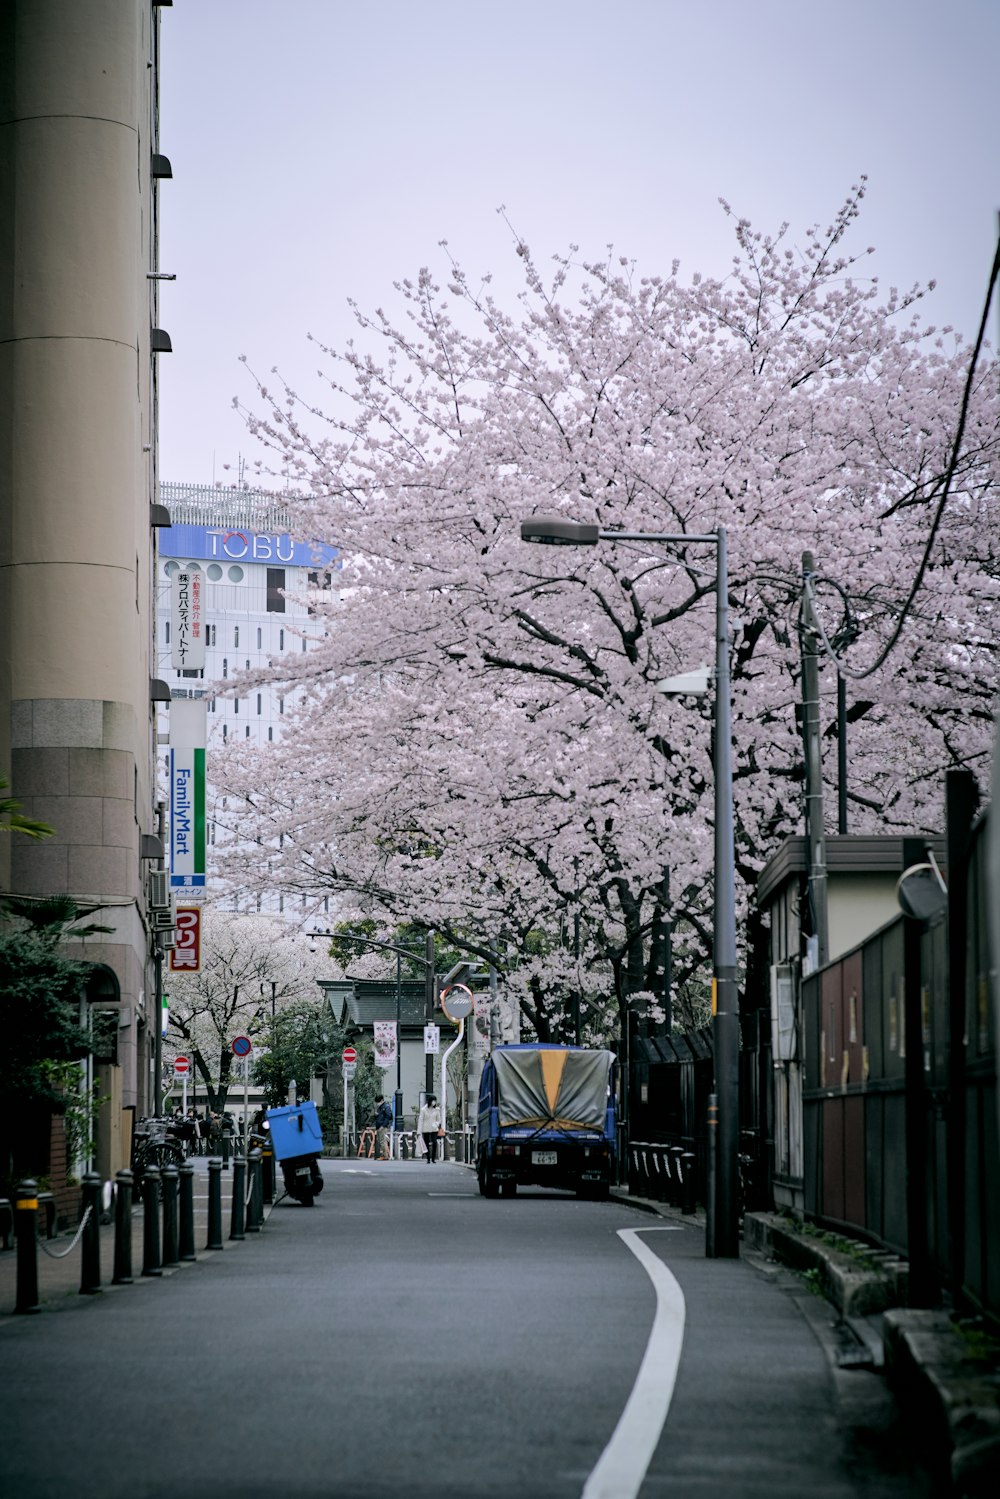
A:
x: 947, y: 1383
x: 59, y: 1278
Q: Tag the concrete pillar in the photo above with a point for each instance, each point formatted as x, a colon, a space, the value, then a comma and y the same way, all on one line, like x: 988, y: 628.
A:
x: 78, y: 454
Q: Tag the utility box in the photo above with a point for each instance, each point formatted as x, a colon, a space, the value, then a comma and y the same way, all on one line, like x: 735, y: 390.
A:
x: 295, y: 1131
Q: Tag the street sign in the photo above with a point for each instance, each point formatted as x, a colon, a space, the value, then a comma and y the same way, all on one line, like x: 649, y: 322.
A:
x: 182, y: 1066
x: 456, y: 1002
x: 432, y: 1039
x: 349, y: 1069
x: 242, y: 1046
x: 349, y: 1054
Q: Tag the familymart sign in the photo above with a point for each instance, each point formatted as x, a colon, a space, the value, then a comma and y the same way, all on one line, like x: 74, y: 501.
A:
x: 188, y: 726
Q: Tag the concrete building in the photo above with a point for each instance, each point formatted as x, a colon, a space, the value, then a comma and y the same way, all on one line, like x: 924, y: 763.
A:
x: 80, y: 337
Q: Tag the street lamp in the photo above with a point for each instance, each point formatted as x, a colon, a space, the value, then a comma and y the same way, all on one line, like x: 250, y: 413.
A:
x: 722, y: 1225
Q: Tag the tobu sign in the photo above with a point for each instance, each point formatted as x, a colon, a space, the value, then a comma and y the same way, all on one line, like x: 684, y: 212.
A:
x: 185, y: 956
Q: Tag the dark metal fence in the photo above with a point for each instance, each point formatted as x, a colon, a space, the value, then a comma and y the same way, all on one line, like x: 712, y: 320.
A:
x: 899, y: 1106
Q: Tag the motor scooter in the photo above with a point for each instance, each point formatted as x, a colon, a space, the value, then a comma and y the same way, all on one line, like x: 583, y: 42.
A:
x: 298, y: 1143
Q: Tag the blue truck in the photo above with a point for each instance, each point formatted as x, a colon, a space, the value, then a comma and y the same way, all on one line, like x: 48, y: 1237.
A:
x: 546, y: 1117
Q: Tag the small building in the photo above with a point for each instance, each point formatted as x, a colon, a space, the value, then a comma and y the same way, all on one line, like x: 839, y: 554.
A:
x: 862, y: 874
x: 356, y: 1004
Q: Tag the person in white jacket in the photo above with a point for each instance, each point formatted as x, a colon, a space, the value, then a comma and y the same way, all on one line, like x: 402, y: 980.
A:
x: 428, y: 1124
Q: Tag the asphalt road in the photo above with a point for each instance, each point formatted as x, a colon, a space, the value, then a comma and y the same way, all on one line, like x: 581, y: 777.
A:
x: 407, y: 1337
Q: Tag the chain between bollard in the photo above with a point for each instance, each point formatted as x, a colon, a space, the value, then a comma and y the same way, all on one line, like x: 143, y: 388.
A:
x: 60, y: 1254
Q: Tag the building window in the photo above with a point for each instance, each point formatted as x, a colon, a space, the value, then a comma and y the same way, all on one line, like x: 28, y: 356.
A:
x: 236, y: 636
x: 225, y: 666
x: 225, y: 731
x: 270, y: 733
x: 275, y: 582
x: 166, y: 632
x: 305, y: 643
x: 260, y: 701
x: 248, y: 731
x: 281, y: 640
x: 281, y: 705
x: 260, y: 637
x: 211, y: 706
x: 236, y: 705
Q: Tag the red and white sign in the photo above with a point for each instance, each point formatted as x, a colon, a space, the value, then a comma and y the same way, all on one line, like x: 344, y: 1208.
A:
x: 182, y: 1066
x: 349, y: 1054
x: 185, y: 957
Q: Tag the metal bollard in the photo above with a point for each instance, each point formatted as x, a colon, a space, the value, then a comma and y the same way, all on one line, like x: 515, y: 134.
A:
x: 254, y: 1198
x: 170, y: 1237
x: 237, y: 1207
x: 121, y: 1275
x: 676, y: 1184
x: 267, y: 1173
x: 90, y: 1249
x: 26, y: 1234
x: 226, y: 1137
x: 663, y: 1181
x: 214, y: 1240
x: 151, y: 1221
x: 460, y: 1146
x: 688, y: 1197
x: 404, y: 1147
x: 185, y: 1184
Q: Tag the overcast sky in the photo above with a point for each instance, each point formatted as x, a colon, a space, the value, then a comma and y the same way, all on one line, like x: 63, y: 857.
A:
x: 322, y: 148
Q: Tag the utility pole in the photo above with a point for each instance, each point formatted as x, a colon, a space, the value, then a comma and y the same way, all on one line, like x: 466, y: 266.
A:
x: 815, y: 831
x: 430, y: 997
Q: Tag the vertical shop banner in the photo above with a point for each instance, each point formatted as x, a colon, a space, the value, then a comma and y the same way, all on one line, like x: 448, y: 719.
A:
x: 185, y: 955
x: 481, y: 1026
x: 188, y: 728
x: 385, y: 1043
x: 187, y: 622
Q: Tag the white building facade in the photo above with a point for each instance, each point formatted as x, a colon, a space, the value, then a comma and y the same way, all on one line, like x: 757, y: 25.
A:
x: 253, y: 580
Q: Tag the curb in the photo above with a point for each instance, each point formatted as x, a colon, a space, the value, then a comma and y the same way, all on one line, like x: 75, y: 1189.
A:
x: 952, y: 1395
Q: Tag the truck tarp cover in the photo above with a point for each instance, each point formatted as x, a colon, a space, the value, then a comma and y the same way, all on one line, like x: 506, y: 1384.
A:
x: 553, y: 1089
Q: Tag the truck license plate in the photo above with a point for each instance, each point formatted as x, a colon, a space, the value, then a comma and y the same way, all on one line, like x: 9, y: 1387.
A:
x: 543, y: 1158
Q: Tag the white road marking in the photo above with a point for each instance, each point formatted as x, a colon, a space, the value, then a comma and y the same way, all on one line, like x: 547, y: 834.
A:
x: 622, y: 1465
x: 354, y: 1171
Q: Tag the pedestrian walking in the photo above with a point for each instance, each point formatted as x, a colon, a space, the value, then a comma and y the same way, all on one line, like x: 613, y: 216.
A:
x: 383, y: 1124
x: 428, y: 1125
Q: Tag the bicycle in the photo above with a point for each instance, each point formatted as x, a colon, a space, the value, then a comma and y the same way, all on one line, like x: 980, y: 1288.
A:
x: 155, y: 1144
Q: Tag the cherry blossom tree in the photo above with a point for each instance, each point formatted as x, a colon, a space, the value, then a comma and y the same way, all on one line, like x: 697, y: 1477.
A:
x: 253, y: 969
x: 479, y: 745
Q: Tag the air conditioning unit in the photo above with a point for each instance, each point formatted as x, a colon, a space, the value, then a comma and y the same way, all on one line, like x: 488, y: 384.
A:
x: 159, y: 890
x: 164, y: 918
x: 168, y: 938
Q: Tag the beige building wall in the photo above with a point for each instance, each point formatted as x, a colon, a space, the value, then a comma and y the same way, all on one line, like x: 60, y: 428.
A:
x: 78, y: 127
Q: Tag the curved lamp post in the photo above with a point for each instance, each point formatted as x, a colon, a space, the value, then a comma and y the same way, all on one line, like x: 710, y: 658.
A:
x: 722, y: 1210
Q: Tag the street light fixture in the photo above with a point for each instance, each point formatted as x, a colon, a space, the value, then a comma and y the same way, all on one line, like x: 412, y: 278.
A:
x: 722, y: 1225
